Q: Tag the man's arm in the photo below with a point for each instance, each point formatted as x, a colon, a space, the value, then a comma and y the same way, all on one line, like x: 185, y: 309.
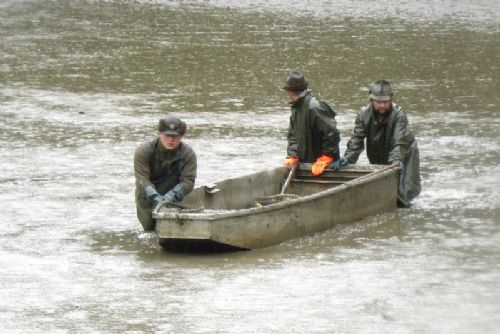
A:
x: 327, y: 126
x: 356, y: 143
x: 292, y: 149
x: 141, y: 167
x: 402, y: 138
x: 188, y: 175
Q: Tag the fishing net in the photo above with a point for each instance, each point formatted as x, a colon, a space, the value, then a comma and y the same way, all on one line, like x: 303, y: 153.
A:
x: 179, y: 208
x: 273, y: 199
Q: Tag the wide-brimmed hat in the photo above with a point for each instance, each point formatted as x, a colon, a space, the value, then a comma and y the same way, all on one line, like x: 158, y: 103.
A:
x: 381, y: 91
x: 172, y: 126
x: 295, y: 82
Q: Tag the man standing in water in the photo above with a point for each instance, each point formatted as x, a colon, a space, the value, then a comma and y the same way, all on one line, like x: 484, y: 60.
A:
x: 165, y: 170
x: 388, y: 140
x: 312, y: 135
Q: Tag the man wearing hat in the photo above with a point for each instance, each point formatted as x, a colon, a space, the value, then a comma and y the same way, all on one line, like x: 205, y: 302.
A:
x: 312, y: 135
x: 389, y: 140
x: 165, y: 170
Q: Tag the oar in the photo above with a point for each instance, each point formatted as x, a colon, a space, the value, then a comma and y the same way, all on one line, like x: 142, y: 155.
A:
x: 289, y: 178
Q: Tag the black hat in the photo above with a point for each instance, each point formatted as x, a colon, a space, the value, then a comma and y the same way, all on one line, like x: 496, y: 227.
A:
x: 295, y: 82
x: 172, y: 126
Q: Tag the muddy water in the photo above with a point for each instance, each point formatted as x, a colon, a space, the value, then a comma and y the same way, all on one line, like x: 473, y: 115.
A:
x: 82, y: 83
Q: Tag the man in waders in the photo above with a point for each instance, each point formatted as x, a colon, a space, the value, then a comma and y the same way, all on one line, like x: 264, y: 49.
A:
x: 312, y: 135
x: 165, y: 170
x: 389, y: 140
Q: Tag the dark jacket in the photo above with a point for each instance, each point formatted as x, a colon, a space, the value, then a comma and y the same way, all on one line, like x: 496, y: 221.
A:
x: 388, y: 141
x: 313, y: 130
x: 162, y: 169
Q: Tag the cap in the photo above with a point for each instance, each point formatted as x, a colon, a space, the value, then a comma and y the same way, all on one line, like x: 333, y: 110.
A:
x: 381, y: 91
x: 172, y: 126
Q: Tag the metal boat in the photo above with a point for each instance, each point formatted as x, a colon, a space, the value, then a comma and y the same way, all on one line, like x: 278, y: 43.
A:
x: 237, y: 214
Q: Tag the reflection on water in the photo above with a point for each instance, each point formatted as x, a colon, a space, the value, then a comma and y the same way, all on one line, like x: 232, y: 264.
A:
x: 82, y: 83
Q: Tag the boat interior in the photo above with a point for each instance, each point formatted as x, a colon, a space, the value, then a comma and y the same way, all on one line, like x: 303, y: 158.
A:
x: 264, y: 188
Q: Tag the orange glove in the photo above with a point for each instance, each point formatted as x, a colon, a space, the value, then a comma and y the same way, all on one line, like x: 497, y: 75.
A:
x: 290, y: 161
x: 321, y: 163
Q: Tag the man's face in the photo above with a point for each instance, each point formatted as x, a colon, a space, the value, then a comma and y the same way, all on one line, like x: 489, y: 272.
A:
x: 294, y: 96
x: 382, y: 107
x: 170, y: 142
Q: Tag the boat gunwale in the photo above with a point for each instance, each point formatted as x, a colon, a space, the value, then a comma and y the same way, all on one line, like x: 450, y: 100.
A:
x: 230, y: 213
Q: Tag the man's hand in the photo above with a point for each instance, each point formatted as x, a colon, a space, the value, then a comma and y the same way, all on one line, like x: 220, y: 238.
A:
x: 338, y: 164
x: 319, y: 166
x: 168, y: 197
x: 152, y: 195
x: 398, y: 163
x: 290, y: 161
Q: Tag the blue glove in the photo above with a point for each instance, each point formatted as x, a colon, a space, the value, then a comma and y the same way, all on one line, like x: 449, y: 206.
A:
x: 338, y: 164
x: 168, y: 197
x: 152, y: 195
x: 175, y: 194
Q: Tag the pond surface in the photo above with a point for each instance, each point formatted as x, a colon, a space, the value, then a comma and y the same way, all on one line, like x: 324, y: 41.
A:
x: 82, y: 83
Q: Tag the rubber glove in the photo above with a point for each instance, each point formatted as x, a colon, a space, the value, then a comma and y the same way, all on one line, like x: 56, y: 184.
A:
x: 152, y: 195
x: 338, y: 164
x: 175, y: 194
x: 290, y: 161
x: 168, y: 197
x: 319, y: 166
